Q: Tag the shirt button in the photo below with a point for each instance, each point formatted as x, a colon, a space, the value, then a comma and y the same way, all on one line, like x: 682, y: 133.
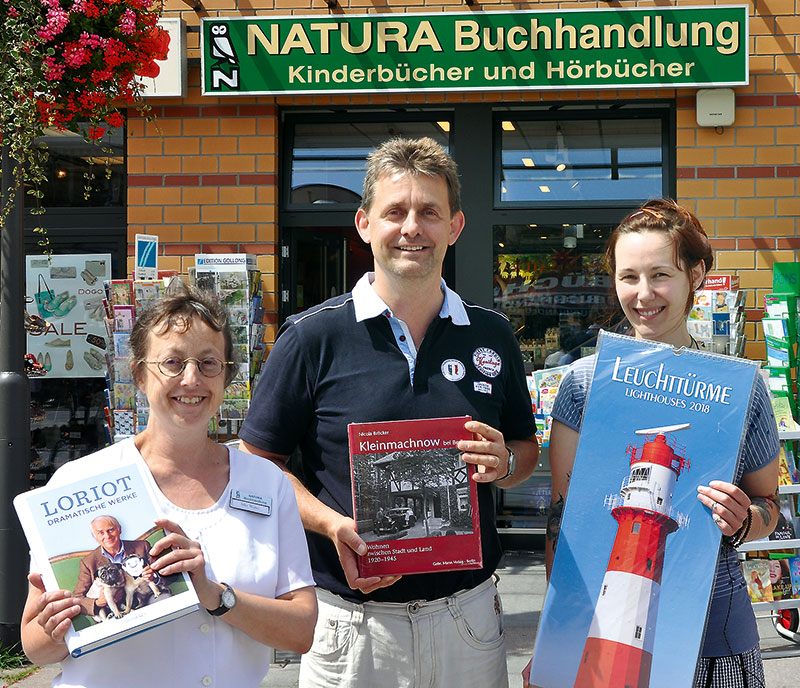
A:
x: 205, y: 628
x: 206, y: 681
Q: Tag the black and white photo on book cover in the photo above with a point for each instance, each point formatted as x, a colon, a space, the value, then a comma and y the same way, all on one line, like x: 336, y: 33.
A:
x: 93, y: 537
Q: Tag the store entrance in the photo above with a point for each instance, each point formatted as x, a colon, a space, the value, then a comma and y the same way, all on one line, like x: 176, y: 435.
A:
x: 324, y: 262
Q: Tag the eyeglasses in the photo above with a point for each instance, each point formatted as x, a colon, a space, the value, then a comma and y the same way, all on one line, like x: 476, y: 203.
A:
x: 208, y: 367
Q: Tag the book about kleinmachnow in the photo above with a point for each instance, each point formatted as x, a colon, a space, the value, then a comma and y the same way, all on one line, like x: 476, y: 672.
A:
x: 414, y: 501
x: 57, y: 521
x: 634, y: 567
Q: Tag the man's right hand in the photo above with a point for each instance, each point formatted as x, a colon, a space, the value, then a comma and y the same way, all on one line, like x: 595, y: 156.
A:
x: 348, y: 546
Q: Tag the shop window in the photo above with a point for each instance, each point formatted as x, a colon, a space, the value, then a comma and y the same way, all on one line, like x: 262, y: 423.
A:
x: 67, y: 420
x: 70, y: 159
x: 579, y: 161
x: 551, y: 282
x: 328, y: 159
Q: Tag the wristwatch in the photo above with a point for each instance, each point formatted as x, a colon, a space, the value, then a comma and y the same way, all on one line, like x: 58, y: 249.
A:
x: 512, y: 464
x: 227, y: 600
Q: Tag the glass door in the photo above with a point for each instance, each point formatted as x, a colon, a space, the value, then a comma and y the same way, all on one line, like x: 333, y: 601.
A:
x: 323, y: 262
x: 551, y: 282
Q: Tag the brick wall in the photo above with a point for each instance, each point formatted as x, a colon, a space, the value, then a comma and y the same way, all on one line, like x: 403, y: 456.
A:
x: 208, y: 181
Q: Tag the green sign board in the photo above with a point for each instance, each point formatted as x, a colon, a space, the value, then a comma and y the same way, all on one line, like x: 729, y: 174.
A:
x: 559, y: 49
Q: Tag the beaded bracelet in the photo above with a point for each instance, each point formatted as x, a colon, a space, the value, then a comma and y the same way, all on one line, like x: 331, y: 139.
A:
x: 740, y: 536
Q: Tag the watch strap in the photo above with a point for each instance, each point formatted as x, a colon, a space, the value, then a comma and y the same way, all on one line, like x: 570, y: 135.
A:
x: 219, y: 611
x: 511, y: 466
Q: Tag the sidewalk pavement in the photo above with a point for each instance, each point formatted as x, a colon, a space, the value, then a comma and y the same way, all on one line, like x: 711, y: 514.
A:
x: 522, y: 587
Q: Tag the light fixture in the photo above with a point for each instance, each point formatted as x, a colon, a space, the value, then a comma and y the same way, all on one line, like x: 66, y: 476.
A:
x: 543, y: 237
x: 444, y: 126
x: 528, y: 162
x: 561, y: 167
x: 533, y: 225
x: 508, y: 126
x: 501, y: 244
x: 544, y: 189
x: 574, y: 185
x: 504, y: 189
x: 61, y: 174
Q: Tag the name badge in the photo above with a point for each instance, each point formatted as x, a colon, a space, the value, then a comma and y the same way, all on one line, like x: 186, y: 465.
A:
x: 248, y: 501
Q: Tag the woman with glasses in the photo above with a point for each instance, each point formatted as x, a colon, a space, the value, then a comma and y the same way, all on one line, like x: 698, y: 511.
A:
x: 247, y: 558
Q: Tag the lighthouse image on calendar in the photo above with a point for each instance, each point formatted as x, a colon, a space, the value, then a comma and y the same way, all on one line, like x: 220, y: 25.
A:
x: 618, y: 652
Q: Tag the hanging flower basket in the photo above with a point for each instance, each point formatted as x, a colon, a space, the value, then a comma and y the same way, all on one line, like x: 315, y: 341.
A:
x: 66, y: 63
x: 93, y: 49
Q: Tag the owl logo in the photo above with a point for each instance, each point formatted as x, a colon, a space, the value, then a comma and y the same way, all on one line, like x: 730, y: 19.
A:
x: 221, y: 46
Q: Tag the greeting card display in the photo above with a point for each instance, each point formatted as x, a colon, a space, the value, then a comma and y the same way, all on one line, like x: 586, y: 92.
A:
x: 637, y: 552
x: 414, y: 502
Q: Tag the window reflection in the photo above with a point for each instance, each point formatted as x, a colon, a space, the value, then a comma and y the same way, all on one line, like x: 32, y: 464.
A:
x: 329, y: 158
x: 580, y: 159
x: 70, y: 157
x: 551, y: 282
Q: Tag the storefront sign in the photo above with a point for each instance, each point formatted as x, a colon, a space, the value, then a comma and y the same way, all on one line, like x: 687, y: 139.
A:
x: 67, y: 291
x: 563, y: 49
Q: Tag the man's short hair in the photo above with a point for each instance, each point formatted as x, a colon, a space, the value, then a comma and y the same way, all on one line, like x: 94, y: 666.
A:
x: 106, y: 518
x: 422, y: 156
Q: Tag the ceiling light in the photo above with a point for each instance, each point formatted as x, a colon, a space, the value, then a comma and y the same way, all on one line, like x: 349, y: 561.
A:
x: 561, y: 167
x: 528, y: 162
x: 544, y: 189
x: 508, y: 126
x: 444, y: 126
x: 503, y: 189
x: 61, y: 174
x: 533, y: 225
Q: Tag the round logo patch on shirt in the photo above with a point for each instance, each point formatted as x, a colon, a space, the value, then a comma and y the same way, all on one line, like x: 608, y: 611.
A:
x: 487, y: 361
x: 453, y: 369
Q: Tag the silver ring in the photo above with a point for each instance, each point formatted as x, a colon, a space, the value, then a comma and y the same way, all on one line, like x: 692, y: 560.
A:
x: 713, y: 506
x: 717, y: 519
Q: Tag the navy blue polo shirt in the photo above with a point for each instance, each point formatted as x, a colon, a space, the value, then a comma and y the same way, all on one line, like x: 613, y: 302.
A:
x: 328, y: 369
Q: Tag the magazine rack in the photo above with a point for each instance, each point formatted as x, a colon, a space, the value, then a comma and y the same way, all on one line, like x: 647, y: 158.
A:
x: 769, y: 607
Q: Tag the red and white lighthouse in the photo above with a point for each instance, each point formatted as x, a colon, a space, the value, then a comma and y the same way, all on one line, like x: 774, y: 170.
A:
x: 619, y: 649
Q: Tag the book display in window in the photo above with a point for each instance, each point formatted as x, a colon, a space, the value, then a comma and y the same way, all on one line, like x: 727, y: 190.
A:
x: 414, y: 501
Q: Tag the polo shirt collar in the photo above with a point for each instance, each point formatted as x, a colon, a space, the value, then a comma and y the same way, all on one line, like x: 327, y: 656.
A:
x: 368, y: 304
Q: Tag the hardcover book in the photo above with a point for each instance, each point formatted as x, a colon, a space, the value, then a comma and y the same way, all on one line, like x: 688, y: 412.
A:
x: 637, y: 551
x: 64, y: 525
x: 414, y: 501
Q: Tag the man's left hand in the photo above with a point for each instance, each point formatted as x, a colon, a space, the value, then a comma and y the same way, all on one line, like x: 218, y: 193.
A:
x: 487, y: 451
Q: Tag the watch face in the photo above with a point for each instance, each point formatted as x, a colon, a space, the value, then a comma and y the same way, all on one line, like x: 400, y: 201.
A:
x: 228, y: 598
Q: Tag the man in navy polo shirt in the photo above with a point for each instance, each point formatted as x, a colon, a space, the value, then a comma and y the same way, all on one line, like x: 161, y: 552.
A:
x: 401, y: 345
